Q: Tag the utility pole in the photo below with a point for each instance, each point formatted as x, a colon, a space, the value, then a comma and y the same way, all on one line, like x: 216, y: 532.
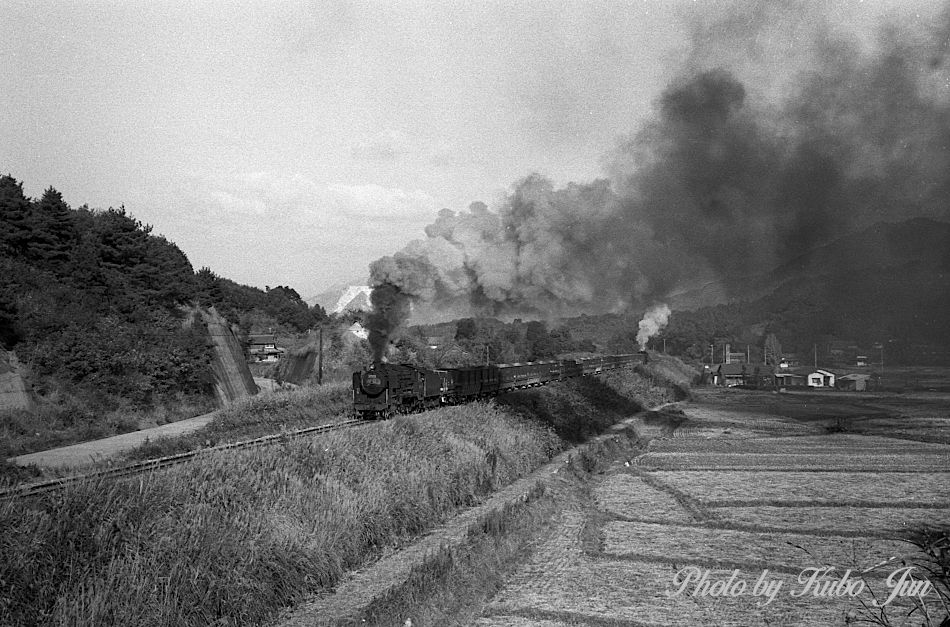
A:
x: 320, y: 360
x: 712, y: 355
x: 816, y: 357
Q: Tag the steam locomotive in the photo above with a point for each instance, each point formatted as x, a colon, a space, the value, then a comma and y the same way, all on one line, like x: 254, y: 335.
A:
x: 386, y: 389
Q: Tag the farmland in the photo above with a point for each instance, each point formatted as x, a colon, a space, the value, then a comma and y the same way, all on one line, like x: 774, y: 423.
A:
x: 752, y: 485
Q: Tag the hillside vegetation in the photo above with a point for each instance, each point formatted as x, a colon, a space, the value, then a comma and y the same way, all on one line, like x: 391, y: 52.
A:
x: 93, y: 302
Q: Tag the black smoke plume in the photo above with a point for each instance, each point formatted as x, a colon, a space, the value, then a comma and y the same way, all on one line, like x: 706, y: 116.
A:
x: 390, y: 309
x: 753, y: 156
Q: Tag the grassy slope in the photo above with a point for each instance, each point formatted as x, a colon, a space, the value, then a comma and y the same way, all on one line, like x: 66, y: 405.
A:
x: 234, y: 536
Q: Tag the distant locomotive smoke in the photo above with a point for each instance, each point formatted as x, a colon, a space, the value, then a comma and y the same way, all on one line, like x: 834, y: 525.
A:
x: 653, y: 320
x: 390, y: 310
x: 737, y: 172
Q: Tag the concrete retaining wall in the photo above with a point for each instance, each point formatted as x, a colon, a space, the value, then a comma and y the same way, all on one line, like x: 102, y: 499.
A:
x: 232, y: 377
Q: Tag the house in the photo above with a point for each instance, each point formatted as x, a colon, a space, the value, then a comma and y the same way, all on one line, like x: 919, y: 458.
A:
x: 821, y: 379
x: 854, y: 382
x: 263, y: 347
x: 789, y: 379
x: 861, y: 360
x: 731, y: 375
x: 358, y: 330
x: 789, y: 360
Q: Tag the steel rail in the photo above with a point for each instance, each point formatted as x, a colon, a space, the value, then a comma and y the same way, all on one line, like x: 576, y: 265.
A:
x: 33, y: 489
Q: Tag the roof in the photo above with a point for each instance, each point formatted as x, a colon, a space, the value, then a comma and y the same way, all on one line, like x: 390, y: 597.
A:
x: 262, y: 339
x: 739, y: 369
x: 854, y: 377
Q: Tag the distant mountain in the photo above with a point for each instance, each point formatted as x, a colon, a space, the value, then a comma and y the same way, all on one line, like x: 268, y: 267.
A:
x: 343, y: 298
x: 918, y: 244
x: 888, y: 283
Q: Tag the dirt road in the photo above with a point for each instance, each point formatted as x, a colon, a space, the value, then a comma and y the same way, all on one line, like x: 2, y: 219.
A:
x: 715, y: 526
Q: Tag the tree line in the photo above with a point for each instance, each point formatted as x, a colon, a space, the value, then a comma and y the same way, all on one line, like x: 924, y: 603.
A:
x: 94, y: 303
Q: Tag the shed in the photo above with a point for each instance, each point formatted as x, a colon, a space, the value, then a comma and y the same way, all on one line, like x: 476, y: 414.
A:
x: 854, y: 382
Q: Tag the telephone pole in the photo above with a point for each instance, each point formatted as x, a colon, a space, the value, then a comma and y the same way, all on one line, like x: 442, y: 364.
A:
x: 320, y: 360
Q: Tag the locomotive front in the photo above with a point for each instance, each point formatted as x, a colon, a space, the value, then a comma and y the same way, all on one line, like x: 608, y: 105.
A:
x: 371, y: 395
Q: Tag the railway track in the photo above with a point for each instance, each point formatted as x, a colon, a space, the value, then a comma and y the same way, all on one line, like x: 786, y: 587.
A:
x: 51, y: 485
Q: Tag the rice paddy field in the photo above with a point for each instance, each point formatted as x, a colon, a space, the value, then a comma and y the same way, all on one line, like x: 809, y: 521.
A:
x: 787, y: 491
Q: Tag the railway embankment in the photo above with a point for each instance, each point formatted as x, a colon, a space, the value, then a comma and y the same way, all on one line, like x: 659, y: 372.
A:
x: 235, y: 536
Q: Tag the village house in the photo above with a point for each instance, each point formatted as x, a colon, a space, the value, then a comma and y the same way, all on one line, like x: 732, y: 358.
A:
x: 263, y: 347
x: 358, y: 330
x: 821, y: 379
x: 789, y: 379
x: 733, y: 374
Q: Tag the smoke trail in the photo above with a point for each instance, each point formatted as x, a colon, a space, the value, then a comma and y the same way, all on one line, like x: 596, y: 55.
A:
x: 390, y: 310
x: 736, y: 173
x: 653, y: 320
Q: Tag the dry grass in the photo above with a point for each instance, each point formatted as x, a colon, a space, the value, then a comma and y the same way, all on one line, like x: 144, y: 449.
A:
x: 62, y: 420
x: 234, y: 536
x: 259, y: 415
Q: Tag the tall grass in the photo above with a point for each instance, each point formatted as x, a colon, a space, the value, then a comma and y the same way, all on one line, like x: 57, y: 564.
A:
x: 234, y: 536
x: 258, y: 415
x: 61, y: 420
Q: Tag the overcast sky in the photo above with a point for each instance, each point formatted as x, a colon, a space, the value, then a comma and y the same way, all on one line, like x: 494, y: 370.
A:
x: 292, y: 143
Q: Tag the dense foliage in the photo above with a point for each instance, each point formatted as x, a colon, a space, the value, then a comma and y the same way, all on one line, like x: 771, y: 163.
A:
x: 93, y: 303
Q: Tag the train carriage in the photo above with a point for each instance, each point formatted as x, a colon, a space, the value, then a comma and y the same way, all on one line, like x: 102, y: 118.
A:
x: 473, y: 382
x: 385, y: 389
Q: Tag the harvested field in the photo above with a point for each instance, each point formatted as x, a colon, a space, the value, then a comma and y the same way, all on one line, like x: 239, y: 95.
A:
x: 751, y: 487
x: 890, y: 521
x: 623, y: 494
x: 835, y: 443
x: 738, y: 487
x: 904, y: 462
x: 743, y: 549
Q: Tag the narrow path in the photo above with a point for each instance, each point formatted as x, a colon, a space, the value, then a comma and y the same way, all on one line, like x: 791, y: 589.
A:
x: 738, y: 497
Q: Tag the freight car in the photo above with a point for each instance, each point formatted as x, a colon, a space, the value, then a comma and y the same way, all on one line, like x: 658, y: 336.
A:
x: 386, y: 389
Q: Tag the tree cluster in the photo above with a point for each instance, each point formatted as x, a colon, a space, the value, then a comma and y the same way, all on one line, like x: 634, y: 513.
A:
x: 93, y: 302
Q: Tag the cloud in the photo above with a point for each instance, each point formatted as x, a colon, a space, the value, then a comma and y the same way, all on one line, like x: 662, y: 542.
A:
x: 266, y: 194
x: 388, y: 145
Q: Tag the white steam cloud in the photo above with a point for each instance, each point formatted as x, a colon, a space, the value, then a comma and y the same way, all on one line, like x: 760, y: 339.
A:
x: 653, y: 320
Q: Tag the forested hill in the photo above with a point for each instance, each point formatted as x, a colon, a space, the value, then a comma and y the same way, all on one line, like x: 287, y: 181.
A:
x: 92, y: 301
